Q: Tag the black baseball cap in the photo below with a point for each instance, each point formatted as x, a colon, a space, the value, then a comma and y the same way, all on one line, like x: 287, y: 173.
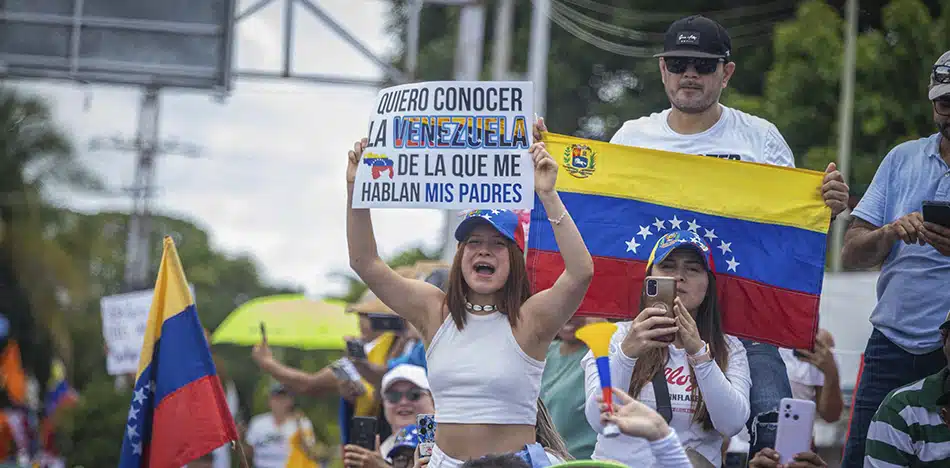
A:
x: 696, y: 36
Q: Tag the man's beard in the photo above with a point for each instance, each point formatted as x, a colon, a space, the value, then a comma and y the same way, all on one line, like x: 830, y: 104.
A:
x: 944, y: 129
x: 692, y: 106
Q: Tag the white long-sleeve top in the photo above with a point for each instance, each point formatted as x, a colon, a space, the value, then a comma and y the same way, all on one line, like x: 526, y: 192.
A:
x: 726, y: 396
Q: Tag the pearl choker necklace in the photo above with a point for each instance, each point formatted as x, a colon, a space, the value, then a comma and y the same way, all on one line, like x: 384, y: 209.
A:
x: 480, y: 308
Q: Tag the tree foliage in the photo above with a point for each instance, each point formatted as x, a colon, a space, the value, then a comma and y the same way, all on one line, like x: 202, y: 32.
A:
x: 591, y: 92
x: 788, y: 55
x: 893, y: 66
x: 35, y: 154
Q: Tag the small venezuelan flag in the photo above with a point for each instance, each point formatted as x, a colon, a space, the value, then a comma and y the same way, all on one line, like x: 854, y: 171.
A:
x: 178, y: 411
x: 766, y: 226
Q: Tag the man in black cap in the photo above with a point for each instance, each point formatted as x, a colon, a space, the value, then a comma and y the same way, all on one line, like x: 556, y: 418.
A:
x: 911, y: 428
x: 695, y: 66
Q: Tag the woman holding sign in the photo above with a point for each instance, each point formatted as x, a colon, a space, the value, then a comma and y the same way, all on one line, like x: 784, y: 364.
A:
x: 487, y: 335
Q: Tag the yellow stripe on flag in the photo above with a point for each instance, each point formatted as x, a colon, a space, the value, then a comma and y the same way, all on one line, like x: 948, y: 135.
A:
x: 734, y: 189
x: 171, y: 297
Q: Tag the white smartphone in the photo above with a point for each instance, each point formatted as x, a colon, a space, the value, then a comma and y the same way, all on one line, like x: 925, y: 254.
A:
x: 796, y: 420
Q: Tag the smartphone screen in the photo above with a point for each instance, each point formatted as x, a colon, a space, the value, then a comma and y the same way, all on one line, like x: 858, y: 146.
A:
x: 355, y: 349
x: 363, y: 432
x: 387, y: 322
x: 937, y: 212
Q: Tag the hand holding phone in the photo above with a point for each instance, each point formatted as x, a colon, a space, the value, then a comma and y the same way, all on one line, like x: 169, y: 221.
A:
x: 937, y: 212
x: 426, y: 425
x: 796, y: 422
x: 355, y: 349
x: 261, y: 353
x: 363, y: 432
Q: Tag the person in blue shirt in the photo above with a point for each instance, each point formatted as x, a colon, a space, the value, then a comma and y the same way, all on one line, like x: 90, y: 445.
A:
x: 888, y: 229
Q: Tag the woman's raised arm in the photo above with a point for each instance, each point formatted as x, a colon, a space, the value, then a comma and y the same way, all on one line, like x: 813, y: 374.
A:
x: 548, y: 310
x: 414, y: 300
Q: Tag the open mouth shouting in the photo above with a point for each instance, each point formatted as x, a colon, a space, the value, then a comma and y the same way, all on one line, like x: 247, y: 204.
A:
x: 484, y: 269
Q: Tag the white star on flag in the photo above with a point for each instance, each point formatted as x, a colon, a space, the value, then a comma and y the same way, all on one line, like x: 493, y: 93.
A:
x: 137, y: 448
x: 725, y: 247
x: 139, y: 395
x: 132, y: 431
x: 660, y: 224
x: 693, y: 226
x: 133, y: 413
x: 632, y: 244
x: 732, y: 264
x: 486, y: 216
x: 645, y: 232
x: 495, y: 211
x: 675, y: 223
x: 710, y: 234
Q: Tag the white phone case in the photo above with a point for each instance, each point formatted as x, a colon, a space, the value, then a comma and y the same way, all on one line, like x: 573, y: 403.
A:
x: 796, y: 420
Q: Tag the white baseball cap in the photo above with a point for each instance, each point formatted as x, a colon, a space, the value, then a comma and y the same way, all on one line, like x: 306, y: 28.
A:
x: 406, y: 372
x: 936, y: 88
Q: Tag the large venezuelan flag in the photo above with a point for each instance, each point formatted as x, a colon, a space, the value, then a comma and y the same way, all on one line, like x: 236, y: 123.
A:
x: 178, y: 411
x: 766, y: 225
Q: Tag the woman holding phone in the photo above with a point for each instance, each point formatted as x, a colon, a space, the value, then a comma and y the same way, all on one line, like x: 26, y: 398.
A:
x: 703, y: 372
x: 487, y: 335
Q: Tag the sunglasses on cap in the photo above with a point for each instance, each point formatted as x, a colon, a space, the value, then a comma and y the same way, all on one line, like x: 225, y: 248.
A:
x: 704, y: 66
x: 395, y: 396
x: 941, y: 74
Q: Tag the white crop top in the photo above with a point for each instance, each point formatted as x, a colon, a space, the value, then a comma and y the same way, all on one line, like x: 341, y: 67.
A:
x: 480, y: 375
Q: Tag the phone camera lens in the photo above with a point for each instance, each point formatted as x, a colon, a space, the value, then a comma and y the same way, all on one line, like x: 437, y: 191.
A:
x: 786, y: 415
x: 651, y: 288
x: 795, y: 417
x: 788, y: 406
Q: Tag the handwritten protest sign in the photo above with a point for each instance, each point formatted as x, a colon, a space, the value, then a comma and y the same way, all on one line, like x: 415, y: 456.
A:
x: 449, y: 145
x: 124, y: 318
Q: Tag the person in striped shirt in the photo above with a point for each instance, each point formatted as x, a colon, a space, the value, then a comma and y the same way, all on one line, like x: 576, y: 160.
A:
x: 911, y: 428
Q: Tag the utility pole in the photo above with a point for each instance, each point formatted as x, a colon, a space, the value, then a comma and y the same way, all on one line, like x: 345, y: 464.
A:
x: 468, y: 67
x: 501, y: 47
x: 538, y: 53
x: 146, y: 144
x: 845, y: 126
x: 412, y: 39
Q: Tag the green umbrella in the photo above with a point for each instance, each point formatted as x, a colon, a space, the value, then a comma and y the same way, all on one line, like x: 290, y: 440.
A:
x: 591, y: 464
x: 291, y: 320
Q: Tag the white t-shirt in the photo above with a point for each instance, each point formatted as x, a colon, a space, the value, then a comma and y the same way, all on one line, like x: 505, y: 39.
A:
x: 271, y: 443
x: 802, y: 376
x: 726, y: 396
x: 737, y: 136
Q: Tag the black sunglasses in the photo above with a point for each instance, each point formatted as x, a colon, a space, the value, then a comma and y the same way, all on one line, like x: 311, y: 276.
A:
x: 942, y: 106
x: 413, y: 394
x: 941, y: 73
x: 704, y: 66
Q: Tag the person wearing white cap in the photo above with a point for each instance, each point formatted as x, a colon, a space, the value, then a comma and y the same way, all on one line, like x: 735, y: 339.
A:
x: 888, y: 228
x: 405, y: 395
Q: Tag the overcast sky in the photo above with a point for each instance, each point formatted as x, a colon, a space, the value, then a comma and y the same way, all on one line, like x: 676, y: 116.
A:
x: 271, y: 177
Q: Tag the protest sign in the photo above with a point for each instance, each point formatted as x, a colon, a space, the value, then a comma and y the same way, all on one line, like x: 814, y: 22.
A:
x: 449, y: 145
x: 124, y: 318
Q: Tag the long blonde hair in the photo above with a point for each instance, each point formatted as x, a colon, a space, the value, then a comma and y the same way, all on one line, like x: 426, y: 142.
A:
x: 546, y: 434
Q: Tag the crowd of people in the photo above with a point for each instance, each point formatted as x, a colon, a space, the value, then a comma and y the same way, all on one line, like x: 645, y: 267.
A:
x: 509, y: 383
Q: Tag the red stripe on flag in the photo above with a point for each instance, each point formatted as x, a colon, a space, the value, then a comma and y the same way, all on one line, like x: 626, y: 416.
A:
x: 615, y: 293
x: 189, y: 423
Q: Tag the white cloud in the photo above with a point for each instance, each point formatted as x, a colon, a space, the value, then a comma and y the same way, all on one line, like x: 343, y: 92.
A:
x: 270, y: 179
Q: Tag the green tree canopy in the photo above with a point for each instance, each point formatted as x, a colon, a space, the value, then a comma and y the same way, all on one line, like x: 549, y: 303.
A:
x: 893, y: 66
